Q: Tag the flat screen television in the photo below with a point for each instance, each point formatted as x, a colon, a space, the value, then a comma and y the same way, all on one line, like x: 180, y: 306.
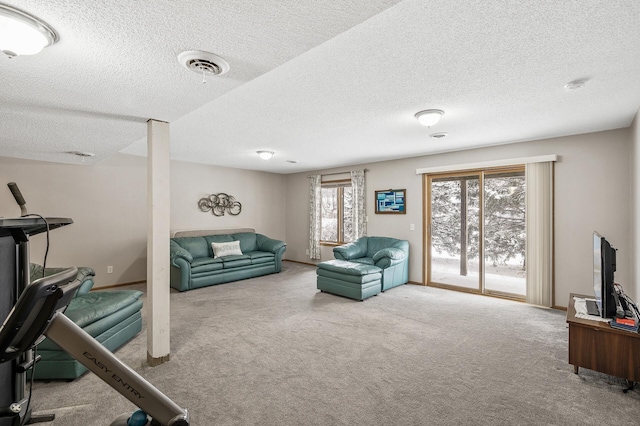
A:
x: 604, y: 266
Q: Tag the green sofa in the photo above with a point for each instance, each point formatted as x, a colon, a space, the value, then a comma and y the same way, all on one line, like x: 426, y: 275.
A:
x: 111, y: 317
x: 365, y: 267
x: 193, y: 264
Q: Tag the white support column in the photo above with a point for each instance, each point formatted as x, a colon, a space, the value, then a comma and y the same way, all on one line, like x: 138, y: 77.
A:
x: 158, y: 233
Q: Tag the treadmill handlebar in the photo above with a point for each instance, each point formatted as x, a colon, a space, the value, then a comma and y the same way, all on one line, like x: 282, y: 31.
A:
x: 34, y: 310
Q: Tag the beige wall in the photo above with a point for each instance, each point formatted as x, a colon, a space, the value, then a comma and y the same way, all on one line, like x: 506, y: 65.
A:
x: 262, y: 196
x: 591, y: 193
x: 108, y: 205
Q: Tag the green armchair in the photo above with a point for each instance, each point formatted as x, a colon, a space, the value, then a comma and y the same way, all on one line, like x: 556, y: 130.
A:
x: 389, y: 254
x: 111, y: 317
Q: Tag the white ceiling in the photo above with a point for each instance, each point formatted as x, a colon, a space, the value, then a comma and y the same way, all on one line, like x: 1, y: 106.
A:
x: 325, y: 83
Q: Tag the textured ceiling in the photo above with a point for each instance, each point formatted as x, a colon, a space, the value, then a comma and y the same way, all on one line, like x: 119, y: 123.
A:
x: 325, y: 83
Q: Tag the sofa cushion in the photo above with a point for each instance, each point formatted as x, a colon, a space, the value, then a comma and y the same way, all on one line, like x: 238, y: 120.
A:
x: 205, y: 264
x: 375, y: 244
x: 205, y: 261
x: 232, y: 248
x: 352, y: 250
x: 234, y: 261
x: 90, y: 307
x: 197, y: 246
x: 247, y: 241
x: 349, y: 268
x: 258, y: 257
x: 356, y: 279
x: 364, y: 260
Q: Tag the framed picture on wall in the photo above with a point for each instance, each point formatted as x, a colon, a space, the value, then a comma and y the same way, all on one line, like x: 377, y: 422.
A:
x: 391, y: 201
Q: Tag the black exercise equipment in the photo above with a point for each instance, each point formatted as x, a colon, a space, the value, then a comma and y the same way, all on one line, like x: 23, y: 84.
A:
x: 39, y: 311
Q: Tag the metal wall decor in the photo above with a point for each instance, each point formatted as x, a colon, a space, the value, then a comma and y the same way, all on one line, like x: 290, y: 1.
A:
x: 219, y: 204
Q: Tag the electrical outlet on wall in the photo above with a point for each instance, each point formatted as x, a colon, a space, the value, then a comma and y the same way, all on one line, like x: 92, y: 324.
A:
x: 109, y: 269
x: 307, y: 252
x: 412, y: 227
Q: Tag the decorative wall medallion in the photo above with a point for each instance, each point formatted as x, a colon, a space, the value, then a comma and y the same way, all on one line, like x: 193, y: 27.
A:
x: 219, y: 204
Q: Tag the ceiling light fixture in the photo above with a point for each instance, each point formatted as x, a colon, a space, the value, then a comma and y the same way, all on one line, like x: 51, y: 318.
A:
x: 23, y: 34
x: 429, y: 117
x: 265, y: 155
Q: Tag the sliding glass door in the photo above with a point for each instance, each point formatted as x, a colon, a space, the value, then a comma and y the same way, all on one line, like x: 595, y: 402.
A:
x: 504, y: 233
x: 455, y: 227
x: 473, y: 216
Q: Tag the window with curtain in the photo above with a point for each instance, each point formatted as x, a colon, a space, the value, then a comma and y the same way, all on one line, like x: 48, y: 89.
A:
x: 315, y: 223
x: 337, y: 212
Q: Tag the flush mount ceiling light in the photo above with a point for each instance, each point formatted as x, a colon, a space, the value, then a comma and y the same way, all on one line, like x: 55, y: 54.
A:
x: 429, y: 117
x: 265, y: 155
x: 203, y: 63
x: 23, y: 34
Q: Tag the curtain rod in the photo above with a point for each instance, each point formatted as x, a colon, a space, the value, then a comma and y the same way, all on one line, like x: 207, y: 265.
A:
x: 336, y: 173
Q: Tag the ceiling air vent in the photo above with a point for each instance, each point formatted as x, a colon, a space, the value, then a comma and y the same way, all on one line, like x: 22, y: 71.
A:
x: 439, y: 135
x: 203, y: 63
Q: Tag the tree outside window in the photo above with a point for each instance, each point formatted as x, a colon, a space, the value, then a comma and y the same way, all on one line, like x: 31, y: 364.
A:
x: 337, y: 212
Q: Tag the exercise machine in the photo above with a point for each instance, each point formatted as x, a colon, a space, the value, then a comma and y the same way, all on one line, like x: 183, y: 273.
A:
x: 39, y: 312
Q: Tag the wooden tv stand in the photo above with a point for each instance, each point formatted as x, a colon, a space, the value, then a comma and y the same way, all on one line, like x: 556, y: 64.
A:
x: 597, y: 346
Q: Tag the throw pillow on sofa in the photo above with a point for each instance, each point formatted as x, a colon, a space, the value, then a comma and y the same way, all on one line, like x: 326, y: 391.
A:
x: 226, y: 249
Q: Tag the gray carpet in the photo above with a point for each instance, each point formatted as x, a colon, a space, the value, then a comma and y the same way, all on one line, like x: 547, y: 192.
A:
x: 274, y: 351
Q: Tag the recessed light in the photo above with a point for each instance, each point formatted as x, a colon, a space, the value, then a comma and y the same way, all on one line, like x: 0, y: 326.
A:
x: 439, y: 135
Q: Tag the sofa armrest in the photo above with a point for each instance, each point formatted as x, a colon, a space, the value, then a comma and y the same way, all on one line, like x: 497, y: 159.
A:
x: 349, y: 251
x: 85, y: 276
x: 388, y: 257
x: 178, y: 252
x: 269, y: 244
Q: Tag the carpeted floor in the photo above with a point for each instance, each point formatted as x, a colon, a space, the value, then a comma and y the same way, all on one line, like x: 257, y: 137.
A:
x: 274, y: 351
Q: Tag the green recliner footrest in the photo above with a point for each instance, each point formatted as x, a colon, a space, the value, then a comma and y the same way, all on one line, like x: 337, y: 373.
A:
x: 350, y: 279
x: 349, y: 268
x: 111, y: 317
x: 96, y: 305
